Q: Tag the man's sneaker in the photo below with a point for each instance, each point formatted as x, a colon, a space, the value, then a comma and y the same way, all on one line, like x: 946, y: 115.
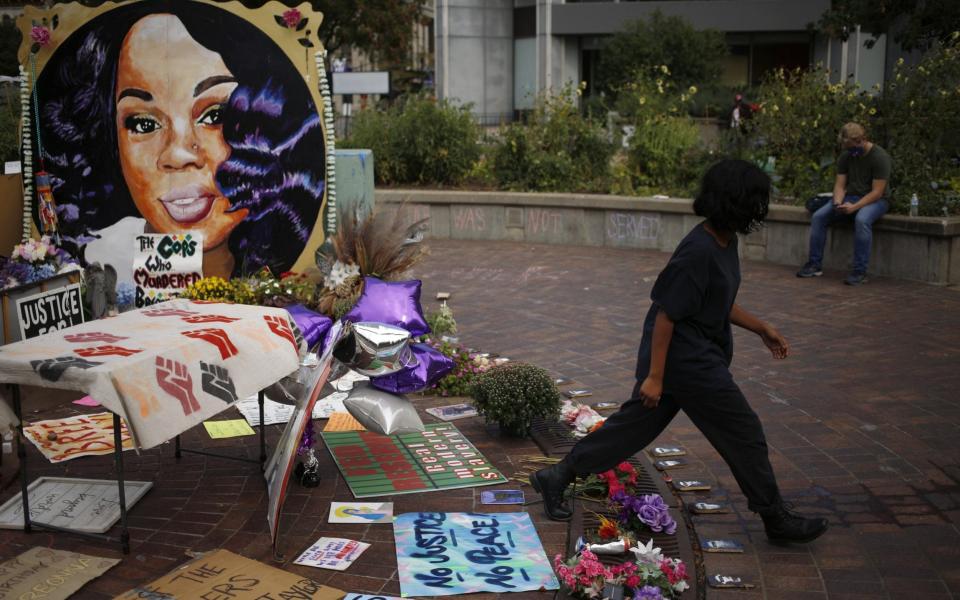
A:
x: 782, y: 524
x: 855, y: 278
x: 551, y: 483
x: 810, y: 270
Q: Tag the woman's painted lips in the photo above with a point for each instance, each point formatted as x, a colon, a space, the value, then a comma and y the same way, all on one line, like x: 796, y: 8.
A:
x: 188, y: 204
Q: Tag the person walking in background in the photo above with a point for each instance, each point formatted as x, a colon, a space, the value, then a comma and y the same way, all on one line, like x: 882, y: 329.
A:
x: 860, y: 194
x: 684, y: 359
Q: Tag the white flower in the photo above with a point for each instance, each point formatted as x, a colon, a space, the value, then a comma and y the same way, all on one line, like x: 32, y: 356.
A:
x: 647, y: 553
x: 681, y: 586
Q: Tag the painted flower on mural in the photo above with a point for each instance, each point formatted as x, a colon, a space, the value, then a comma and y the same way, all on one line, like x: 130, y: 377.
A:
x: 291, y: 18
x: 40, y: 35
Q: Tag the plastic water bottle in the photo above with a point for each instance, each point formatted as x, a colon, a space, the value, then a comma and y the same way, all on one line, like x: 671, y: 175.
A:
x: 914, y: 205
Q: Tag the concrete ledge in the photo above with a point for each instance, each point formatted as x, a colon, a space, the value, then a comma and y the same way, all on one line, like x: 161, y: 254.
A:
x: 916, y: 248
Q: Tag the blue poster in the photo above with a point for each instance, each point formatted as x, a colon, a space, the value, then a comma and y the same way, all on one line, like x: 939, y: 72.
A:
x: 442, y: 554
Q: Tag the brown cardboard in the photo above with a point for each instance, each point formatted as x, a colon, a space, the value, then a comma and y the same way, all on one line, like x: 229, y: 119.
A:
x: 50, y: 574
x: 223, y: 575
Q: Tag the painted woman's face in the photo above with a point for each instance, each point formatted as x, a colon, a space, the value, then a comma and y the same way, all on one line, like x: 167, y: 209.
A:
x: 171, y: 93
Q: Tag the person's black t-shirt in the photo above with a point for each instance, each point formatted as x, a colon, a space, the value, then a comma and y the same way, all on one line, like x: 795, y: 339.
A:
x: 696, y: 289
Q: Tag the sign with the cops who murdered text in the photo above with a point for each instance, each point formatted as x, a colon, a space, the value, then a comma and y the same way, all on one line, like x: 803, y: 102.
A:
x: 50, y: 311
x: 165, y: 264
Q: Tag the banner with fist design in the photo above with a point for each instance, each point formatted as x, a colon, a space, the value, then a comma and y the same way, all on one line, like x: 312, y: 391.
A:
x: 163, y: 368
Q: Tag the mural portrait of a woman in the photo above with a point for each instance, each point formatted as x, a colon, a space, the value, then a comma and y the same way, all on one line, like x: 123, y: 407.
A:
x: 179, y: 116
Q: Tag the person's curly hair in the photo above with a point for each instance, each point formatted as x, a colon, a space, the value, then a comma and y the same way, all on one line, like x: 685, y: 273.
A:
x: 734, y: 196
x: 271, y: 123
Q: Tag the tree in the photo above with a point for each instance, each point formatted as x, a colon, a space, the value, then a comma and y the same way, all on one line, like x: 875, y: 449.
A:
x: 692, y: 56
x: 381, y: 29
x: 914, y: 24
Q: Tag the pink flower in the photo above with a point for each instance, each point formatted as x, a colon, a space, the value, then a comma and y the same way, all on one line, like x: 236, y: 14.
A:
x: 40, y: 35
x: 292, y: 18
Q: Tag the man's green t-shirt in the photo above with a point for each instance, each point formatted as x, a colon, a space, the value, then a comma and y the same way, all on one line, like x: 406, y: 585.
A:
x: 862, y: 170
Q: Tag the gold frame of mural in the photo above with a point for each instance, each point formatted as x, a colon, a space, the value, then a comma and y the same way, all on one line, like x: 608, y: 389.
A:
x: 305, y: 60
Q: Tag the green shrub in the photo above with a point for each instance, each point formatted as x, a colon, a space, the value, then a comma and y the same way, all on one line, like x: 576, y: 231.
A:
x: 467, y: 367
x: 555, y: 149
x: 919, y: 118
x: 418, y: 140
x: 798, y: 124
x: 513, y: 394
x: 665, y: 152
x: 442, y: 322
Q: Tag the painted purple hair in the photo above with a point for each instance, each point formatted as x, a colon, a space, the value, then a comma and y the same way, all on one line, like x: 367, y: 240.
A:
x: 271, y: 123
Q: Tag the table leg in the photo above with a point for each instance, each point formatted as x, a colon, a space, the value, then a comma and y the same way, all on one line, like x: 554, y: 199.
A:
x: 21, y: 456
x: 176, y: 447
x: 121, y: 489
x: 263, y: 439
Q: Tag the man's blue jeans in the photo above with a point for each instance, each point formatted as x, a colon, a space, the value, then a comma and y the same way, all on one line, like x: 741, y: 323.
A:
x: 863, y: 221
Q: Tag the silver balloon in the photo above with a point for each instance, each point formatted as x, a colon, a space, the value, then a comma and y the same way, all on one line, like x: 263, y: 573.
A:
x: 382, y: 412
x: 375, y: 349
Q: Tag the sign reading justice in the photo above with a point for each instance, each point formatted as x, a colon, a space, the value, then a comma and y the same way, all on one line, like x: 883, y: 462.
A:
x: 50, y: 311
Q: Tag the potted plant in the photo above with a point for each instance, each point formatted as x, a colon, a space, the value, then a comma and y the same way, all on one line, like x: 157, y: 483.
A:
x: 512, y: 394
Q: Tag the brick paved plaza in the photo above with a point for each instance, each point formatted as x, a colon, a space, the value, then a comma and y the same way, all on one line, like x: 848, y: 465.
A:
x: 862, y: 421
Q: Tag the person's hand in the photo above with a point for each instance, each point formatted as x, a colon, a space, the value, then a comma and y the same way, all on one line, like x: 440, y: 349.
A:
x: 650, y: 391
x: 775, y: 342
x: 847, y: 209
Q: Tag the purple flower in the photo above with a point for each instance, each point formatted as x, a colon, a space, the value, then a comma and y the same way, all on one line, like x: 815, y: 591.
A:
x: 649, y: 515
x: 648, y: 592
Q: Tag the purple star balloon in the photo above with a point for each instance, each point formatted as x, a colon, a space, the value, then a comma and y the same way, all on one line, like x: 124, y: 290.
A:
x: 433, y: 366
x: 391, y: 302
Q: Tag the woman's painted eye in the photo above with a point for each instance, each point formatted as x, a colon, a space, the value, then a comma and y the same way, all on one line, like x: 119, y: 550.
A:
x: 212, y: 116
x: 141, y: 124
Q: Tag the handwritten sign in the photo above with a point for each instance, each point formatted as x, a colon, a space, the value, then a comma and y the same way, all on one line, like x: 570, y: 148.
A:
x: 84, y: 435
x: 48, y: 573
x: 438, y: 458
x: 335, y: 554
x: 90, y: 505
x: 223, y: 574
x: 442, y: 554
x: 165, y: 264
x: 50, y: 311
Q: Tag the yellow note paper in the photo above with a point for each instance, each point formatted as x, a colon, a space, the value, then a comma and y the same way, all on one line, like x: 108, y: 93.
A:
x: 228, y: 429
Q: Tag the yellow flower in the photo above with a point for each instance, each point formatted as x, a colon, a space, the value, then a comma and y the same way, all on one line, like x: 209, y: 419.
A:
x: 643, y: 100
x: 692, y: 90
x: 900, y: 61
x: 788, y: 99
x: 775, y: 108
x: 872, y: 111
x: 664, y: 69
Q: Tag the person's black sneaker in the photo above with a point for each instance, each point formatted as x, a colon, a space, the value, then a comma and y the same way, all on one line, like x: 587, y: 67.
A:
x: 810, y: 270
x: 782, y: 524
x: 551, y: 483
x: 855, y: 279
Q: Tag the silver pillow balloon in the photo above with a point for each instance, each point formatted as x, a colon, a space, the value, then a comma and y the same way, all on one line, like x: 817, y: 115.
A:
x: 382, y: 412
x: 375, y: 349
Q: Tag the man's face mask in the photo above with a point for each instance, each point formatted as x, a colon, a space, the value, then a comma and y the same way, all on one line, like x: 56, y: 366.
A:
x: 856, y: 151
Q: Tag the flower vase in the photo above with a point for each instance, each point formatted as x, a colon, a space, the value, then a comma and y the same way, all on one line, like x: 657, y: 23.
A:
x: 514, y: 430
x: 612, y: 591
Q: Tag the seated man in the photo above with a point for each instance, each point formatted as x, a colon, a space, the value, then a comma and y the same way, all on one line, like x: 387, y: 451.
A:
x: 859, y: 194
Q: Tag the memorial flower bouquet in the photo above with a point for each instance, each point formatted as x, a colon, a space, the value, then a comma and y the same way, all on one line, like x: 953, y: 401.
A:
x: 33, y: 260
x: 643, y: 512
x: 650, y: 576
x: 622, y: 478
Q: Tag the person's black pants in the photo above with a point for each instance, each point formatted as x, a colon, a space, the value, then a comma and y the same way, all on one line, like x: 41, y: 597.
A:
x: 723, y: 416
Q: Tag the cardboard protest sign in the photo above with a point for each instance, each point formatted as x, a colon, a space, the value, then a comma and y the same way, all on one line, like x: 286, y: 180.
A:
x: 50, y: 311
x: 441, y: 554
x: 223, y: 574
x: 335, y: 554
x: 165, y: 264
x: 84, y: 435
x: 50, y: 574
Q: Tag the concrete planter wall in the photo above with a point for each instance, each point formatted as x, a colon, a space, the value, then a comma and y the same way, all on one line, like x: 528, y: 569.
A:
x: 919, y: 248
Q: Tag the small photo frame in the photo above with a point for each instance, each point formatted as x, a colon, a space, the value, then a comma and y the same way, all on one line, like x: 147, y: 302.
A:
x: 667, y: 451
x: 691, y: 485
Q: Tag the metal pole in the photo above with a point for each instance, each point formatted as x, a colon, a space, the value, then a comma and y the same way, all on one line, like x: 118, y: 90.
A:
x: 118, y: 460
x: 21, y: 456
x: 263, y: 439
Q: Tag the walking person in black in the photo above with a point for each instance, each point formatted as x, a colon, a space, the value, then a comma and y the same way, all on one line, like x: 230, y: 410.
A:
x: 684, y: 358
